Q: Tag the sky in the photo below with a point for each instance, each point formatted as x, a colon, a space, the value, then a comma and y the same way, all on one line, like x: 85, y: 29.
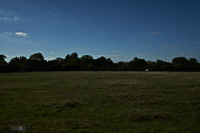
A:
x: 116, y: 29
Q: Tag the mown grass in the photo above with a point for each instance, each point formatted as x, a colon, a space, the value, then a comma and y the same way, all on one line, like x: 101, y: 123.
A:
x: 84, y: 102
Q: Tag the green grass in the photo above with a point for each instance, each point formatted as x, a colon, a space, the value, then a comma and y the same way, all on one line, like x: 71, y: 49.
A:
x: 84, y: 102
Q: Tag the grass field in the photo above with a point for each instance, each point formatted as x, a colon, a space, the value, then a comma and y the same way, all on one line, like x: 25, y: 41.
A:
x: 85, y: 102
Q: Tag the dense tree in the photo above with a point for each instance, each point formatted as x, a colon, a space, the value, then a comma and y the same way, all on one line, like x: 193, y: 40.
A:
x: 17, y: 64
x: 193, y: 61
x: 122, y: 66
x: 37, y: 56
x: 36, y: 62
x: 162, y: 65
x: 137, y: 64
x: 91, y: 67
x: 55, y: 65
x: 86, y: 60
x: 71, y: 62
x: 20, y: 59
x: 100, y: 63
x: 3, y: 64
x: 194, y: 66
x: 74, y: 55
x: 2, y: 58
x: 180, y: 64
x: 180, y: 60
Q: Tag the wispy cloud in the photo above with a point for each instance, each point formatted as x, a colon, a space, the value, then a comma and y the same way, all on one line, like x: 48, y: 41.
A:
x: 9, y: 18
x: 16, y: 18
x: 170, y: 46
x: 115, y: 58
x: 8, y: 15
x: 6, y: 34
x: 52, y: 52
x: 156, y: 32
x: 189, y: 54
x: 21, y: 34
x: 143, y: 55
x: 115, y: 51
x: 109, y: 56
x: 9, y: 33
x: 147, y: 44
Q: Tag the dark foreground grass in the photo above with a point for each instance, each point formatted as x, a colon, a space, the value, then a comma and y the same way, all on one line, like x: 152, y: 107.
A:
x: 86, y: 102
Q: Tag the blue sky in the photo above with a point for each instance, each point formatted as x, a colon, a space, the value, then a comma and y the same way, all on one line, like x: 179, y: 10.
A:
x: 116, y: 29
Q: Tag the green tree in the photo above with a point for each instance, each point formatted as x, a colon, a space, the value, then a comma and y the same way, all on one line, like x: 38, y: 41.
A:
x: 180, y: 60
x: 101, y: 63
x: 37, y: 56
x: 2, y: 58
x: 86, y: 60
x: 14, y: 65
x: 137, y: 64
x: 19, y: 60
x: 180, y: 64
x: 36, y: 62
x: 91, y: 67
x: 74, y: 55
x: 194, y: 66
x: 162, y: 65
x: 122, y: 66
x: 193, y: 61
x: 3, y: 63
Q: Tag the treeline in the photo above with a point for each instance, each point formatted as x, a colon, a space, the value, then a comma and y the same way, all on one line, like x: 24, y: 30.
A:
x: 71, y: 62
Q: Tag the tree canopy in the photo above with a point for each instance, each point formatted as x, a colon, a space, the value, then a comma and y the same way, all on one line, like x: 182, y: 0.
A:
x: 2, y: 58
x: 179, y: 60
x: 37, y: 56
x: 72, y: 62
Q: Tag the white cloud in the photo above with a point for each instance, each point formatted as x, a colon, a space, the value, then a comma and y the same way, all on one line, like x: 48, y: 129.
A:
x: 4, y: 18
x: 16, y: 18
x: 50, y: 58
x: 8, y: 58
x: 52, y: 52
x: 21, y: 34
x: 115, y: 51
